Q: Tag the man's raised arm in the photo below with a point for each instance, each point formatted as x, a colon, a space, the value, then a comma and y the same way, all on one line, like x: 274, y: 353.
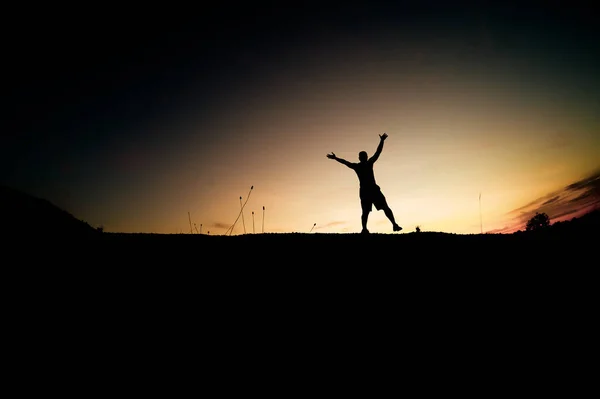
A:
x: 340, y: 160
x: 375, y: 156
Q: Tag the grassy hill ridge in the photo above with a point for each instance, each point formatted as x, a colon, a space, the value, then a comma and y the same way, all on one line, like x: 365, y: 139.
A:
x: 25, y: 217
x: 25, y: 214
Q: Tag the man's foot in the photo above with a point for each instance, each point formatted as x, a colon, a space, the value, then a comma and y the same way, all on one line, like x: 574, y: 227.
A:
x: 364, y: 231
x: 397, y: 228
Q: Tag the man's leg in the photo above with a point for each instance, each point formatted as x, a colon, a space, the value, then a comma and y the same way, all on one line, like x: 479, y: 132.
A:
x: 390, y: 215
x: 364, y: 218
x: 383, y: 205
x: 366, y: 206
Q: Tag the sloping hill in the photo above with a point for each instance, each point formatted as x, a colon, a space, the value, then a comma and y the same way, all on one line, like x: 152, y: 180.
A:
x: 588, y: 224
x: 25, y: 214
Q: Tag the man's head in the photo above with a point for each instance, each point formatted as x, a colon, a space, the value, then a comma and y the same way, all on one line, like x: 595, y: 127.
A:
x: 362, y: 156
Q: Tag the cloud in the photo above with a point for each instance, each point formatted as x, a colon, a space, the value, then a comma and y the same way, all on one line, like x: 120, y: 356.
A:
x: 582, y: 196
x: 591, y: 182
x: 551, y: 200
x: 574, y: 200
x: 331, y: 224
x: 220, y: 225
x: 534, y: 203
x: 565, y: 213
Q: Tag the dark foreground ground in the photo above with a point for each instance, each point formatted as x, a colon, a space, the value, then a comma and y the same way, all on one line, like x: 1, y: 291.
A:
x: 390, y: 269
x: 255, y: 311
x: 559, y: 243
x: 375, y: 262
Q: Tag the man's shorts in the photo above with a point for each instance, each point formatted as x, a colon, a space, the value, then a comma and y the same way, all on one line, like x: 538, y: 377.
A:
x: 372, y: 196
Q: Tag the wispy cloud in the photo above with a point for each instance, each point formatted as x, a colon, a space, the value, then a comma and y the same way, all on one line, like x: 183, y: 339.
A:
x: 330, y: 224
x: 574, y: 200
x: 220, y: 225
x: 551, y: 200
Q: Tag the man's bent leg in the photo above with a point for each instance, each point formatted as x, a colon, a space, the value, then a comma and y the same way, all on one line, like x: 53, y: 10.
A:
x: 390, y: 215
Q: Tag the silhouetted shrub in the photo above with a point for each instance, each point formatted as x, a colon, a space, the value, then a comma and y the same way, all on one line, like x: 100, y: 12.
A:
x: 538, y: 222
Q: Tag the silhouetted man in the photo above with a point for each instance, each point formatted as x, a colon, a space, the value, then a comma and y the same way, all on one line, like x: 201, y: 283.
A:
x: 370, y: 193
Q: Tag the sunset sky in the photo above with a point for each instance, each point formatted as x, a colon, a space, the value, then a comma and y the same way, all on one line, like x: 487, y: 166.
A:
x: 130, y: 122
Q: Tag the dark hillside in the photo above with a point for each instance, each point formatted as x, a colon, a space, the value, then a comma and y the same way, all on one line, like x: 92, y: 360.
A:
x: 24, y: 215
x: 110, y: 294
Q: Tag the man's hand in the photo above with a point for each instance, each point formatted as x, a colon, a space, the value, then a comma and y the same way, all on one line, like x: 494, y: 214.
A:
x: 331, y: 156
x: 383, y: 136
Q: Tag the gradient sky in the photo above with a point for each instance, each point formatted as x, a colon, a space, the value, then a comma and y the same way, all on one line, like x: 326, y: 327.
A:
x: 131, y: 122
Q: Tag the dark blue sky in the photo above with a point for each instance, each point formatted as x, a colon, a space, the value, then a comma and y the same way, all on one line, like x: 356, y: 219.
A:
x: 74, y: 80
x: 80, y: 82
